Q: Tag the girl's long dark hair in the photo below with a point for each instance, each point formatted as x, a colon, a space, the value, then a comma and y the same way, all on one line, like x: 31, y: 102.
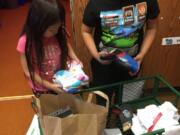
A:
x: 41, y: 15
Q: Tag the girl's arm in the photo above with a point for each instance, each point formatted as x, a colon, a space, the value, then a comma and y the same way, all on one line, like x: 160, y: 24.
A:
x: 72, y: 54
x: 37, y: 78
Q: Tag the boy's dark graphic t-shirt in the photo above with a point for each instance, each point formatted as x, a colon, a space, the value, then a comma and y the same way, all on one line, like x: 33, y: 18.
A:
x: 119, y: 23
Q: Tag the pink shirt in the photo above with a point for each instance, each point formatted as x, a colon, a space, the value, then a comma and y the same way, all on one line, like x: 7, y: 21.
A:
x: 51, y: 62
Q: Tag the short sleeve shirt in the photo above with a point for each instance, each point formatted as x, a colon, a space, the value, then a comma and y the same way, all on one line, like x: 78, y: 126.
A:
x: 119, y: 23
x: 51, y: 61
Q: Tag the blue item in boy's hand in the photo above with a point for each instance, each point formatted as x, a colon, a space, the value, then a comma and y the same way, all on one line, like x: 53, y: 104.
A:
x: 123, y: 59
x: 127, y: 61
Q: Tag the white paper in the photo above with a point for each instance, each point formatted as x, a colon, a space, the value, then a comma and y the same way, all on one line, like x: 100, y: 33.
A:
x: 34, y: 127
x: 171, y: 41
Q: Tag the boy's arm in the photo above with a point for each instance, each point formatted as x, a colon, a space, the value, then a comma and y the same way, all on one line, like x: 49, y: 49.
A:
x: 37, y: 78
x: 90, y: 44
x: 149, y: 37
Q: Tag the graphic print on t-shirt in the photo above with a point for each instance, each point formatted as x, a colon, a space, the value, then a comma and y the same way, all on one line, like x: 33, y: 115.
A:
x: 120, y: 27
x: 51, y: 62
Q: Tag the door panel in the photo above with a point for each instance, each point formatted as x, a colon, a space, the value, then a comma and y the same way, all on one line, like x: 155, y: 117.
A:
x: 164, y: 59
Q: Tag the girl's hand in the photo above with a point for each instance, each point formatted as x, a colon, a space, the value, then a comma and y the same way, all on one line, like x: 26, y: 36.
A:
x: 73, y: 56
x: 102, y: 54
x: 57, y: 88
x: 76, y: 60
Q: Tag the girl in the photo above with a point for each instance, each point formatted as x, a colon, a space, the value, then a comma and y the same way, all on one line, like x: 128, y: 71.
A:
x: 43, y: 46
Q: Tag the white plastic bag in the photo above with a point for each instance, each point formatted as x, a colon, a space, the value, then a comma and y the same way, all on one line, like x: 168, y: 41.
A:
x: 34, y: 127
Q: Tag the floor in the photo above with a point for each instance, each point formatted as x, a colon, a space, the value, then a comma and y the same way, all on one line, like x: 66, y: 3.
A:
x: 15, y: 114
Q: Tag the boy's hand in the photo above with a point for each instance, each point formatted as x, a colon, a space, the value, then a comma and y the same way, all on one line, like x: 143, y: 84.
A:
x: 133, y: 74
x: 139, y: 59
x: 103, y: 54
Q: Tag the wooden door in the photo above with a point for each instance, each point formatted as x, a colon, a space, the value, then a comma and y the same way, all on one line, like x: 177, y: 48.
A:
x: 164, y: 59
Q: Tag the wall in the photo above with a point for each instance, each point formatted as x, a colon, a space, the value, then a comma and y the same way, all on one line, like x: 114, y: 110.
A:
x: 164, y: 59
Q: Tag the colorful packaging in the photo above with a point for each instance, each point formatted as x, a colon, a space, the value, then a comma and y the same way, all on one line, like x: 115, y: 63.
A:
x: 66, y: 80
x: 123, y: 59
x: 127, y: 61
x: 71, y: 79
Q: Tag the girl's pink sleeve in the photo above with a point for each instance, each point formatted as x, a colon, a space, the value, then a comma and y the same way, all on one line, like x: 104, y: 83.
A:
x: 21, y: 44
